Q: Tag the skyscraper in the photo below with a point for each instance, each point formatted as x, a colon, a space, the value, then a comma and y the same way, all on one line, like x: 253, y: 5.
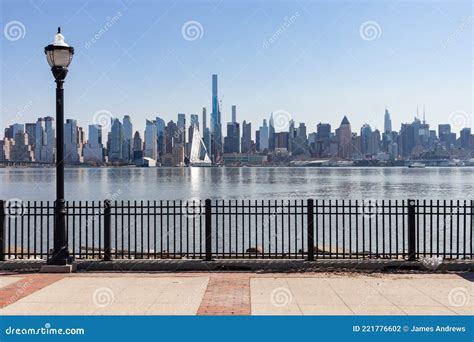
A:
x: 344, y: 137
x: 71, y: 146
x: 194, y: 123
x: 181, y: 134
x: 50, y: 143
x: 216, y: 128
x: 151, y: 146
x: 246, y: 137
x: 387, y: 122
x: 137, y: 147
x: 263, y: 136
x: 116, y: 141
x: 127, y: 139
x: 160, y: 131
x: 206, y: 134
x: 94, y: 149
x: 234, y: 113
x: 271, y: 134
x: 232, y: 139
x: 40, y: 140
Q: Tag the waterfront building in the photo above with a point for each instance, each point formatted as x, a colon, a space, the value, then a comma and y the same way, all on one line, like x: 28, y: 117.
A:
x: 263, y: 136
x: 151, y: 146
x: 94, y: 149
x: 465, y: 139
x: 116, y: 142
x: 246, y: 141
x: 257, y: 140
x: 194, y: 124
x: 281, y: 140
x: 387, y: 122
x: 216, y: 128
x: 21, y: 151
x: 232, y: 139
x: 171, y: 134
x: 344, y: 138
x: 5, y: 149
x: 72, y: 152
x: 366, y: 139
x: 271, y: 134
x: 137, y: 147
x: 160, y: 131
x: 444, y: 134
x: 30, y: 130
x: 40, y: 140
x: 181, y: 133
x: 127, y: 139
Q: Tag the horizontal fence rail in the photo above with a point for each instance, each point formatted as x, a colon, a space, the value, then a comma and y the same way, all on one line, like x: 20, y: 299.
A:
x: 242, y: 229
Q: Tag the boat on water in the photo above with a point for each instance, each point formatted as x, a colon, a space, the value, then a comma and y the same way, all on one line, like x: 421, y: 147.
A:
x: 198, y: 156
x: 416, y: 165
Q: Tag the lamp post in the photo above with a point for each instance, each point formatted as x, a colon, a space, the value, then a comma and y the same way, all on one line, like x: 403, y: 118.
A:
x: 59, y: 56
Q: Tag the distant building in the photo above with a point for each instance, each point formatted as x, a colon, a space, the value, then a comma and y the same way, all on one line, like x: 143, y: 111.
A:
x: 72, y: 153
x: 151, y: 146
x: 263, y: 136
x: 127, y: 139
x: 271, y: 134
x: 246, y: 141
x: 232, y: 139
x: 21, y: 151
x: 116, y: 142
x: 344, y: 137
x: 387, y: 122
x: 137, y: 147
x: 94, y: 149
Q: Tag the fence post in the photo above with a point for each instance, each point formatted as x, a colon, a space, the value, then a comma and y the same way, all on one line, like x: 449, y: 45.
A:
x: 411, y: 230
x: 3, y: 225
x: 310, y: 226
x: 107, y: 231
x: 208, y: 219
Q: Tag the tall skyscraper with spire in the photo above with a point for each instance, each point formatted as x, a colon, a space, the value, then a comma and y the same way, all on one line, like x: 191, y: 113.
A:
x: 387, y: 122
x: 271, y: 134
x: 216, y: 127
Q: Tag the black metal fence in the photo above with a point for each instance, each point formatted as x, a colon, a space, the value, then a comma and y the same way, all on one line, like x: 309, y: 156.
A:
x: 218, y: 229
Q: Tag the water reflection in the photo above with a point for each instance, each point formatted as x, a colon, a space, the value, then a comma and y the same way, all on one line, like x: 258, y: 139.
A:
x: 241, y: 183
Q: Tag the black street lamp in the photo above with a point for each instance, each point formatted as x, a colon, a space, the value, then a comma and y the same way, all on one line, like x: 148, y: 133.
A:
x: 59, y: 56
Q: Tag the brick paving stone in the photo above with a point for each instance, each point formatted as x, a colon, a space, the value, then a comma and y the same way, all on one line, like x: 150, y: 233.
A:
x: 227, y: 294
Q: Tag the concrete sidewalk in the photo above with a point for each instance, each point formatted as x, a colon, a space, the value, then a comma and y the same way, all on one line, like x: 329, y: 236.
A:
x: 216, y: 293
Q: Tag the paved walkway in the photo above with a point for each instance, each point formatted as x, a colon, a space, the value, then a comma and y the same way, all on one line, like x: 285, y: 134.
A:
x: 236, y: 294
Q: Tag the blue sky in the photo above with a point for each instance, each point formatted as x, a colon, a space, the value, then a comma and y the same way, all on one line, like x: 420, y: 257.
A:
x: 318, y: 67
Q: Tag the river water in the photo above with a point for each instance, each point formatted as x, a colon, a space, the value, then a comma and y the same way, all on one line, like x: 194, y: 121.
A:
x: 240, y: 183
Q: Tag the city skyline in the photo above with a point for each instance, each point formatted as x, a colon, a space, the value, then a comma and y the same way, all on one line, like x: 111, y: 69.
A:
x: 155, y: 67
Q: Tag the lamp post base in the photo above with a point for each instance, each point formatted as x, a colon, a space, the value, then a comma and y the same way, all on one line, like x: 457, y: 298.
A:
x: 71, y: 268
x: 61, y: 258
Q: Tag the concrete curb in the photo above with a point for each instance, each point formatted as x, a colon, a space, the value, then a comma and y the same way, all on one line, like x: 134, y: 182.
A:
x: 283, y: 265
